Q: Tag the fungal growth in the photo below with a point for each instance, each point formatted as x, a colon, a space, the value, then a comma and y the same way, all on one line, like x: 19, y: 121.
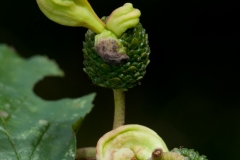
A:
x: 110, y: 48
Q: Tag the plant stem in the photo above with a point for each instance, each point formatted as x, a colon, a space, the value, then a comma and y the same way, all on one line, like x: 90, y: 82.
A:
x: 168, y: 156
x: 87, y: 153
x: 119, y: 112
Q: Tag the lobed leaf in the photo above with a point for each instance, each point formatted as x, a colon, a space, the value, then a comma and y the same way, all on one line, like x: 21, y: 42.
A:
x: 30, y: 127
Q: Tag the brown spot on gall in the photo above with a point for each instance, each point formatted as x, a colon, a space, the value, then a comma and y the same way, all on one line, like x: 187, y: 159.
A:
x: 108, y: 50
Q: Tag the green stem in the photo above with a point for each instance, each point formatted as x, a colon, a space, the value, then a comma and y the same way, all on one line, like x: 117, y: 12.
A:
x: 86, y: 153
x: 119, y: 112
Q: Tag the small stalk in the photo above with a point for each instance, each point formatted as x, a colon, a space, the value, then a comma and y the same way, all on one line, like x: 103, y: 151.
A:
x: 87, y: 153
x: 158, y: 154
x: 119, y: 111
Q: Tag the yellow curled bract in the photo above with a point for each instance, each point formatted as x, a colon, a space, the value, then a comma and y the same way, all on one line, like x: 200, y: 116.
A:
x: 72, y: 13
x: 123, y: 18
x: 127, y: 142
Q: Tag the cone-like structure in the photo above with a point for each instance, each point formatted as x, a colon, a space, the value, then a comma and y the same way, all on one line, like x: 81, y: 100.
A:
x: 126, y: 74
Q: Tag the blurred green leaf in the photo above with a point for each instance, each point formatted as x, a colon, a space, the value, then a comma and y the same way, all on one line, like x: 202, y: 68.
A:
x: 30, y: 127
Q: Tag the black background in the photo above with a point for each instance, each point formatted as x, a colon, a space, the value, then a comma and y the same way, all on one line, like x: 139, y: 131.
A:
x: 190, y: 95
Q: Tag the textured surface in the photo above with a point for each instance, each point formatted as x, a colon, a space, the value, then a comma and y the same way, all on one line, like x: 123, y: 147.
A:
x: 126, y: 75
x: 189, y: 154
x: 31, y: 128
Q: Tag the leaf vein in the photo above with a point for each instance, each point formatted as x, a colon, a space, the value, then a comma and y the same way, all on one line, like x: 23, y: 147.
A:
x: 9, y: 138
x: 40, y: 139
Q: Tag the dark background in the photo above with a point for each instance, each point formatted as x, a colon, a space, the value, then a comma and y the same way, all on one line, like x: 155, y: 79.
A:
x: 190, y: 95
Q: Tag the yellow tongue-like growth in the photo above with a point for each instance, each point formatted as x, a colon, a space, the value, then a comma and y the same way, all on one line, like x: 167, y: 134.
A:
x: 72, y: 13
x: 80, y: 13
x: 123, y: 18
x: 129, y: 142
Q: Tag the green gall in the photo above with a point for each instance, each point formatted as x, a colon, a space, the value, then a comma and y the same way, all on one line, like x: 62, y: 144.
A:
x: 72, y: 13
x: 123, y: 18
x: 129, y: 142
x: 127, y: 74
x: 110, y: 49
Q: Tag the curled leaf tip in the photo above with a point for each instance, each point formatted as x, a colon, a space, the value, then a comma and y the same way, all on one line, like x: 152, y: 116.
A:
x: 72, y: 13
x: 123, y: 18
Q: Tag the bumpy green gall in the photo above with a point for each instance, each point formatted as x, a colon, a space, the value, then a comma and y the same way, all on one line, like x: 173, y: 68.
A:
x: 123, y: 76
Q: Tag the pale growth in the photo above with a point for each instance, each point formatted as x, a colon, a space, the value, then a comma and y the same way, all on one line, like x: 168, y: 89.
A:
x: 129, y: 141
x: 123, y: 18
x: 122, y: 154
x: 3, y: 114
x: 74, y: 13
